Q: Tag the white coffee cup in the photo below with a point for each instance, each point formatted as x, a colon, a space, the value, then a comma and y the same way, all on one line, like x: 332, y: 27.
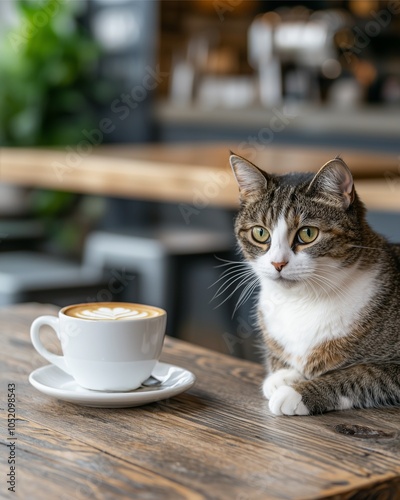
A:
x: 107, y: 346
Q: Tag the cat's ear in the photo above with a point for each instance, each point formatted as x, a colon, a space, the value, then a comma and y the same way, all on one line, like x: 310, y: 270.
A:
x: 249, y: 177
x: 334, y: 182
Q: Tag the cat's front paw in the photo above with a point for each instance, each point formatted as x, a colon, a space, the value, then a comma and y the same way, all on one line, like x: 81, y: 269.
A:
x: 286, y: 401
x: 285, y: 376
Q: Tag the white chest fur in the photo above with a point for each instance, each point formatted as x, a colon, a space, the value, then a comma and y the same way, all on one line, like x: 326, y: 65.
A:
x: 300, y: 319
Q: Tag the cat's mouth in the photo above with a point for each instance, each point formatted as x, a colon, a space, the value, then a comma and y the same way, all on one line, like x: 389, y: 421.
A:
x: 286, y: 280
x: 290, y: 280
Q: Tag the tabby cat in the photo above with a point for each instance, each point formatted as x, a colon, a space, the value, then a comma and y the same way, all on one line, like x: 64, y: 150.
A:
x: 329, y: 300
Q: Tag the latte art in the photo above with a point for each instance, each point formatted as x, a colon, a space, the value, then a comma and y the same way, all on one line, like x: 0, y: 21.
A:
x: 110, y: 311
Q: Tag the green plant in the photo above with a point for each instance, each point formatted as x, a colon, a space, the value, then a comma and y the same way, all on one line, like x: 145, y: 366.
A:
x: 47, y: 66
x: 48, y: 93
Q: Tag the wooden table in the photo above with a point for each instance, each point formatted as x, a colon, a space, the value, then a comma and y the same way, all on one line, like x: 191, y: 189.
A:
x: 195, y: 174
x: 216, y: 441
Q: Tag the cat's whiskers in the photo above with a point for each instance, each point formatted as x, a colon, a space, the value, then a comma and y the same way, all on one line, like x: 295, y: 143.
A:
x: 246, y: 293
x: 232, y: 291
x: 325, y: 289
x: 325, y: 283
x: 360, y: 246
x: 241, y: 299
x: 330, y: 270
x: 233, y: 278
x: 324, y: 271
x: 235, y: 268
x: 329, y: 266
x: 229, y: 272
x: 239, y: 274
x: 227, y: 262
x: 315, y: 292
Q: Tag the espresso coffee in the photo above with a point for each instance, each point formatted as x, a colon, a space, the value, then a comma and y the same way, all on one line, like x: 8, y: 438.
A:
x: 112, y: 311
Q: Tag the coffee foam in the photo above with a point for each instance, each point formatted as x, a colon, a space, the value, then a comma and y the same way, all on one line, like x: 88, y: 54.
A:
x: 112, y: 311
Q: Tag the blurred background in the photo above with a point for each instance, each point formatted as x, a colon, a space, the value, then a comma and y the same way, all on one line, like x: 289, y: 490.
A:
x: 169, y: 72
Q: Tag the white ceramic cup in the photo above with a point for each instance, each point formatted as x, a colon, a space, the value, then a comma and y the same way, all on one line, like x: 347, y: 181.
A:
x: 115, y: 352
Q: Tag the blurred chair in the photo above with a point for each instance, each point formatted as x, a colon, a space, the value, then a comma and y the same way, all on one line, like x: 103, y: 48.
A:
x: 31, y: 276
x: 154, y: 256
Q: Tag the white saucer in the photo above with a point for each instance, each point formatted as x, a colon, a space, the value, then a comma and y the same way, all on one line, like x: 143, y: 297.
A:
x: 54, y: 382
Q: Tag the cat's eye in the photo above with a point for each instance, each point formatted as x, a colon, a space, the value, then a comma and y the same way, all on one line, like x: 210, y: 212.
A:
x: 307, y: 234
x: 260, y: 234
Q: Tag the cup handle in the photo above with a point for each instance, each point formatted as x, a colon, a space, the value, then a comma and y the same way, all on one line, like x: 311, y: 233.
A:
x: 54, y: 323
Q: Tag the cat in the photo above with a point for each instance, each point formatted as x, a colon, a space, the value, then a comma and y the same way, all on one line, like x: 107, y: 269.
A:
x: 329, y: 299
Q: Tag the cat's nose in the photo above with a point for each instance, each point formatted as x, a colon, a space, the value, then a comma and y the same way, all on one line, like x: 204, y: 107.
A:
x: 279, y: 265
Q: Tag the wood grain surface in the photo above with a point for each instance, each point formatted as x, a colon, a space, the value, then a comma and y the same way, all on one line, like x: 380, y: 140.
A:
x: 195, y: 174
x: 216, y: 441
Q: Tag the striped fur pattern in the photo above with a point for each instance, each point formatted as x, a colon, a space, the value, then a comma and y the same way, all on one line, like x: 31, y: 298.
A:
x: 329, y: 301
